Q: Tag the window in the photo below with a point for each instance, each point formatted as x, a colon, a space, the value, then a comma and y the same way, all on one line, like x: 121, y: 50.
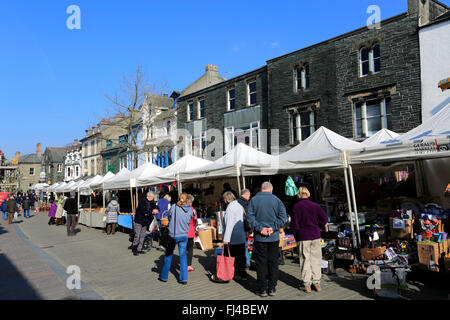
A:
x: 168, y: 127
x: 123, y: 140
x: 252, y: 93
x: 371, y: 116
x: 302, y: 125
x: 31, y: 171
x: 302, y: 77
x: 59, y: 167
x: 190, y: 111
x: 201, y: 108
x: 68, y: 172
x: 370, y: 60
x: 231, y: 99
x: 92, y: 168
x: 198, y: 144
x: 108, y: 143
x: 248, y: 134
x: 77, y: 171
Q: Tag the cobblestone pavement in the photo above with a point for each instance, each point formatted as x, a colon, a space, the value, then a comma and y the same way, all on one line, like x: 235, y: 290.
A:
x: 36, y: 256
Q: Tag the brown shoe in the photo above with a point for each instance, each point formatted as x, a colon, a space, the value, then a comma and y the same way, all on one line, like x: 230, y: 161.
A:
x: 317, y: 287
x: 306, y: 289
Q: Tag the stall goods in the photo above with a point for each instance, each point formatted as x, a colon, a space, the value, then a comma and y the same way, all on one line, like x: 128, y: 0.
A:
x: 287, y: 242
x: 368, y: 254
x: 401, y: 228
x: 205, y: 236
x: 430, y: 252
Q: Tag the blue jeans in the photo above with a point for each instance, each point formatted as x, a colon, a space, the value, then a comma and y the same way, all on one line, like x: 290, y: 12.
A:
x: 5, y: 215
x: 247, y: 256
x: 182, y: 243
x: 26, y: 213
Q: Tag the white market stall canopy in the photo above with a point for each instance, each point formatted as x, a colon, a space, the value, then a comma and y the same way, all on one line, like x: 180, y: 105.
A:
x: 67, y: 187
x: 380, y: 136
x: 323, y: 149
x: 429, y: 140
x: 76, y: 185
x: 99, y: 184
x: 169, y: 174
x: 128, y: 179
x: 61, y: 187
x: 242, y: 160
x: 53, y: 187
x: 39, y: 186
x: 123, y: 175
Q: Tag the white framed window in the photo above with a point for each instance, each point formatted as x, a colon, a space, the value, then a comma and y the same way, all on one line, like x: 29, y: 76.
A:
x: 32, y: 172
x: 251, y: 93
x: 190, y: 111
x: 247, y: 134
x: 198, y: 144
x: 201, y: 108
x: 68, y: 172
x: 371, y: 116
x: 369, y: 60
x: 302, y: 77
x: 59, y: 167
x: 77, y: 171
x: 302, y: 125
x: 231, y: 93
x: 168, y: 128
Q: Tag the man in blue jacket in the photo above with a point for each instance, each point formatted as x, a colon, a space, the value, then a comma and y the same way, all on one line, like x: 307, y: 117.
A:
x: 266, y: 215
x: 142, y: 220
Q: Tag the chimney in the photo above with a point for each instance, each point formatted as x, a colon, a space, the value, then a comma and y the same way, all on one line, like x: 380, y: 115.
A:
x: 422, y: 9
x: 211, y: 68
x: 39, y: 150
x: 17, y: 155
x: 75, y: 142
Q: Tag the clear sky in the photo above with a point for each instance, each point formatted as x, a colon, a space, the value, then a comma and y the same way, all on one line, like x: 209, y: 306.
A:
x: 52, y: 78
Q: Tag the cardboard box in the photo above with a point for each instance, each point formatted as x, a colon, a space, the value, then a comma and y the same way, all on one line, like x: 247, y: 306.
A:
x: 429, y: 254
x: 206, y: 238
x: 406, y: 233
x: 368, y: 254
x: 213, y: 234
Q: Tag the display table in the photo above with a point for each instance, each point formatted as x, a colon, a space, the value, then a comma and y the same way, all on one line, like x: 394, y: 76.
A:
x: 92, y: 219
x: 125, y: 221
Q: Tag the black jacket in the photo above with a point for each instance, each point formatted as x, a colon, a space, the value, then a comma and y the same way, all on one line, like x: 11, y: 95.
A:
x: 26, y: 204
x: 144, y: 211
x: 71, y: 206
x: 243, y: 202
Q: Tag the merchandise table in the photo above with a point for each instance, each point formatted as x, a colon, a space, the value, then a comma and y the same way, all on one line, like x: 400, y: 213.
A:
x: 92, y: 219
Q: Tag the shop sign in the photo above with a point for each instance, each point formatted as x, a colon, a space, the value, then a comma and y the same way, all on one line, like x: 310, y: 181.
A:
x: 430, y: 147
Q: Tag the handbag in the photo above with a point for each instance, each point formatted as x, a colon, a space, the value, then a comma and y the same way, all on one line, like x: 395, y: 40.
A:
x: 166, y: 240
x: 225, y: 266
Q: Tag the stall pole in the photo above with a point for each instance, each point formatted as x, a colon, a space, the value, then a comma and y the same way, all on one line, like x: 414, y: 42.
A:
x: 103, y: 195
x: 78, y: 197
x: 349, y: 201
x: 179, y: 183
x: 238, y: 175
x: 132, y: 202
x: 354, y: 202
x: 90, y: 202
x: 243, y: 182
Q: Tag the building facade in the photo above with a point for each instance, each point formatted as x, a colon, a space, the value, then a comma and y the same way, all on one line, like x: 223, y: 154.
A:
x: 30, y: 168
x: 73, y: 162
x: 52, y: 163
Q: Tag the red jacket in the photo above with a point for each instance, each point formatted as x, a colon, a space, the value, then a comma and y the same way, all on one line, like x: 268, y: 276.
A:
x: 193, y: 225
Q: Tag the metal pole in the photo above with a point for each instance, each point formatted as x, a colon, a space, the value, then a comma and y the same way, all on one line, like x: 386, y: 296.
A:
x: 104, y: 196
x: 349, y: 201
x: 243, y: 182
x: 179, y: 183
x: 78, y: 197
x: 354, y: 202
x: 238, y: 177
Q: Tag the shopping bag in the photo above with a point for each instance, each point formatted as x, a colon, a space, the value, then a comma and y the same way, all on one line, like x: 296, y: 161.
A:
x: 290, y: 188
x: 225, y: 266
x: 16, y: 215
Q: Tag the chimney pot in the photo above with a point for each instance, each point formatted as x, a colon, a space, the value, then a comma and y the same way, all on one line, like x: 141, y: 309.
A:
x: 211, y: 67
x: 39, y: 149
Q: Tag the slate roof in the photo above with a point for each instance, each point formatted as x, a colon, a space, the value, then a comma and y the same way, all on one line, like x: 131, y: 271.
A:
x: 56, y: 154
x: 30, y: 158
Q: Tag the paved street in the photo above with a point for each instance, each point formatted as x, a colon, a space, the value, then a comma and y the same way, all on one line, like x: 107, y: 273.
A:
x: 35, y: 256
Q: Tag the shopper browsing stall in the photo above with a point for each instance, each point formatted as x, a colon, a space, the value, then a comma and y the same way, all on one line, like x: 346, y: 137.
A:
x: 112, y: 213
x: 192, y: 234
x: 307, y: 219
x: 52, y: 212
x: 144, y: 217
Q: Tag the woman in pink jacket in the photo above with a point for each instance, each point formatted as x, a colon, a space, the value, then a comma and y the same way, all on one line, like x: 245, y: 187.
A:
x: 52, y: 212
x: 192, y: 234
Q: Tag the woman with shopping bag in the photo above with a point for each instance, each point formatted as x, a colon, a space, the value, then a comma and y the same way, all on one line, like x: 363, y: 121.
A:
x: 180, y: 216
x: 234, y: 237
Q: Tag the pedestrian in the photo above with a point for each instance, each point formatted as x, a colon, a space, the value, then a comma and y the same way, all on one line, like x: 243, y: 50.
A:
x: 52, y: 212
x: 234, y: 235
x: 3, y: 209
x: 266, y: 215
x: 307, y: 219
x: 142, y: 220
x: 192, y: 234
x: 226, y: 188
x: 71, y: 208
x: 163, y: 207
x: 11, y: 207
x: 26, y: 204
x: 19, y: 200
x: 112, y: 213
x: 180, y: 216
x: 243, y: 201
x: 59, y: 210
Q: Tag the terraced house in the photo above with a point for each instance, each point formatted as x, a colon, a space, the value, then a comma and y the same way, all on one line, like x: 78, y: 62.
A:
x: 354, y: 84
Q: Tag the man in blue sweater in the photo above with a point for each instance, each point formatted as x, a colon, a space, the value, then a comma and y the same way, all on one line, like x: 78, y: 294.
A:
x: 266, y: 215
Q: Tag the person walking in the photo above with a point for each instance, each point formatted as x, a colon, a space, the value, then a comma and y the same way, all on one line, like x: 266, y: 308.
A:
x: 142, y: 220
x: 52, y: 212
x: 3, y: 209
x: 71, y: 208
x: 234, y: 235
x: 112, y: 216
x: 243, y: 201
x: 180, y: 216
x: 59, y: 210
x: 266, y: 215
x: 307, y: 219
x: 192, y: 234
x: 26, y: 204
x: 11, y: 207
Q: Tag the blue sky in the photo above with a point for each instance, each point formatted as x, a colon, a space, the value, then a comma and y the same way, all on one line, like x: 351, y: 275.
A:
x: 52, y: 78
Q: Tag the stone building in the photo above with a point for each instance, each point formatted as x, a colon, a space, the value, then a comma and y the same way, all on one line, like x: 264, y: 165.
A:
x: 73, y: 162
x: 91, y: 163
x: 30, y: 168
x: 9, y: 181
x: 53, y: 164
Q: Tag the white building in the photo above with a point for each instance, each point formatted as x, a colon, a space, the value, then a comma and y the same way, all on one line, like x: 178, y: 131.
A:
x: 72, y: 163
x: 434, y: 40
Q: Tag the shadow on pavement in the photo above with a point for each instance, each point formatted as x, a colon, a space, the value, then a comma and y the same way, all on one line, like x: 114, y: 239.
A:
x: 3, y: 230
x: 13, y: 286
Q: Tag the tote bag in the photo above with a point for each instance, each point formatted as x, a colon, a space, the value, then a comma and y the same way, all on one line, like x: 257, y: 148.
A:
x: 290, y: 188
x: 225, y: 266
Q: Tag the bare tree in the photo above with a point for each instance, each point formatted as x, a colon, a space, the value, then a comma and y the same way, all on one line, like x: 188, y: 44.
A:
x: 126, y: 111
